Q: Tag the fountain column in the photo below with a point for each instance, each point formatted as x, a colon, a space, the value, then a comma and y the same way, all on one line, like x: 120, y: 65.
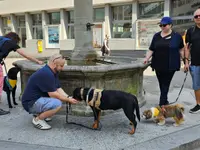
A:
x: 83, y: 21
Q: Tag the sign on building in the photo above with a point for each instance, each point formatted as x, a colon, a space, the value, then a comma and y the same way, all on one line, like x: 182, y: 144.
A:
x: 52, y: 36
x: 145, y: 29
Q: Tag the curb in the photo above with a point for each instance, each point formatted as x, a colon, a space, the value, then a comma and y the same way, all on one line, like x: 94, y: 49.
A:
x: 190, y: 145
x: 185, y: 139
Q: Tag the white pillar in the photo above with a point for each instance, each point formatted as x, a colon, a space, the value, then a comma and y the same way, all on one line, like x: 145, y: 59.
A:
x: 29, y: 24
x: 45, y: 21
x: 108, y: 20
x: 14, y: 23
x: 1, y: 26
x: 134, y: 18
x: 167, y: 6
x: 63, y: 22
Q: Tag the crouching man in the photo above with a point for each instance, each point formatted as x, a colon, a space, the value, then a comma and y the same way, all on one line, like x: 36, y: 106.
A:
x: 43, y: 95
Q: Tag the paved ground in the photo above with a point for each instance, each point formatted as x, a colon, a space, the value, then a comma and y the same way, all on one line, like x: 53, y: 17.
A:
x: 17, y: 132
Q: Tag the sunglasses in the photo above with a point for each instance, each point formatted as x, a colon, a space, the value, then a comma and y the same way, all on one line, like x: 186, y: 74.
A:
x: 197, y: 16
x: 163, y: 25
x: 58, y: 58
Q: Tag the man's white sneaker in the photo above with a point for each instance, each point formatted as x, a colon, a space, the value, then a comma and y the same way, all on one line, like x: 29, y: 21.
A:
x: 41, y: 124
x: 48, y: 119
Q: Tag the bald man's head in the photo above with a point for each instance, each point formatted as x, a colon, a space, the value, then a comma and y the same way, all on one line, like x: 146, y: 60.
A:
x: 56, y: 62
x: 197, y: 17
x: 197, y: 12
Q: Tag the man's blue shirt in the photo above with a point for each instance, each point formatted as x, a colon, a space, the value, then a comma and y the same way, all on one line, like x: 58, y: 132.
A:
x: 39, y: 84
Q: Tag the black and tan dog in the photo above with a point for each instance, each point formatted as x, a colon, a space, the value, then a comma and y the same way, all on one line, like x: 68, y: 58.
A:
x: 166, y: 111
x: 10, y: 84
x: 109, y: 99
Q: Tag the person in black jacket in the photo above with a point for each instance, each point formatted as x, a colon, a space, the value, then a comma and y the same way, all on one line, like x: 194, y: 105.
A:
x: 9, y: 43
x: 193, y: 50
x: 166, y: 50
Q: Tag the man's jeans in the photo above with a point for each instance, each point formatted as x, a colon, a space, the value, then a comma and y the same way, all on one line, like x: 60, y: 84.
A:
x: 164, y: 79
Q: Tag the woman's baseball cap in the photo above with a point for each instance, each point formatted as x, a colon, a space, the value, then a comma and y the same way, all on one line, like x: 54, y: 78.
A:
x: 166, y: 20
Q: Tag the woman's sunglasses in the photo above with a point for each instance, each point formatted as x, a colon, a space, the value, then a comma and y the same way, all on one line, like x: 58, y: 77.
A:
x: 162, y: 25
x: 197, y: 16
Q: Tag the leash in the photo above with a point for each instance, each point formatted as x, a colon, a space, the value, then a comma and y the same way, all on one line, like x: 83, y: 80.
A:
x: 180, y: 89
x: 7, y: 82
x: 68, y: 108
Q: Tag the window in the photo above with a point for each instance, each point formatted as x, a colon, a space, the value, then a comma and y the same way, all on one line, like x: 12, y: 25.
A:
x: 122, y: 30
x: 181, y: 25
x: 184, y: 7
x: 6, y: 25
x: 122, y: 12
x: 37, y: 26
x: 122, y: 17
x: 99, y: 15
x: 182, y: 14
x: 21, y: 21
x: 151, y: 10
x: 54, y: 18
x: 21, y: 30
x: 71, y: 16
x: 70, y: 30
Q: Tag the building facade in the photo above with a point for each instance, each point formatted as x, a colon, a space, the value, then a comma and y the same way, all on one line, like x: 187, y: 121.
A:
x: 130, y: 24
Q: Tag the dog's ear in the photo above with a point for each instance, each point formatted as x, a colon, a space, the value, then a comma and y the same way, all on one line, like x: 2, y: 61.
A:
x: 18, y: 69
x: 77, y: 94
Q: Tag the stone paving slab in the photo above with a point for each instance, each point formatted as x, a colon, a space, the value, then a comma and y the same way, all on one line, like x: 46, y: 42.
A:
x: 7, y: 145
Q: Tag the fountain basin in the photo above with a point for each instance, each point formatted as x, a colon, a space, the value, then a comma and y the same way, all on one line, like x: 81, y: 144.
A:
x: 125, y: 74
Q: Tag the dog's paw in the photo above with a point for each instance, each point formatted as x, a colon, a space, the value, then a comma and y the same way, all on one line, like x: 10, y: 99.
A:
x: 15, y: 103
x: 132, y: 131
x: 176, y: 125
x: 161, y: 123
x: 95, y: 125
x: 10, y: 107
x: 155, y: 120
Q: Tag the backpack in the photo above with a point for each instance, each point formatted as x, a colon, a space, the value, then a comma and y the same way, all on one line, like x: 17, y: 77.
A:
x: 2, y: 41
x: 190, y: 35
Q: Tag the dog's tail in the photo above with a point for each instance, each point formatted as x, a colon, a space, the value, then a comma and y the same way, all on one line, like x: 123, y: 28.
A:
x: 179, y: 111
x: 137, y: 108
x: 181, y: 107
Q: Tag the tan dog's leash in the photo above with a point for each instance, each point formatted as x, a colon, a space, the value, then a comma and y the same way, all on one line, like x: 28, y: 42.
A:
x: 186, y: 73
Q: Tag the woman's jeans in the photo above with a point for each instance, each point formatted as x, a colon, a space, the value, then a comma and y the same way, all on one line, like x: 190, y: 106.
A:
x: 164, y: 79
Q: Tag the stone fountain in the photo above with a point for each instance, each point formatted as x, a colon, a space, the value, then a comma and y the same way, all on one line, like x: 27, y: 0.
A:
x: 86, y: 69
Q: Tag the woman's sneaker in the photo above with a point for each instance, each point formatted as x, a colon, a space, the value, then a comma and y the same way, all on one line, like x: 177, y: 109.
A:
x: 196, y: 109
x: 40, y: 124
x: 3, y: 112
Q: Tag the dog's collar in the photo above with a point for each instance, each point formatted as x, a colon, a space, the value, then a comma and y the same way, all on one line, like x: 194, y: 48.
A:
x: 87, y: 96
x: 81, y: 92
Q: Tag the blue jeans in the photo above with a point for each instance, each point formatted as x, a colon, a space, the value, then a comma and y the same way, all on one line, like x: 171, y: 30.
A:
x: 195, y: 73
x: 164, y: 79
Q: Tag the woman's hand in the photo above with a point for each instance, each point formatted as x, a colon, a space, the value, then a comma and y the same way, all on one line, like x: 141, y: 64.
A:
x: 40, y: 62
x: 146, y: 60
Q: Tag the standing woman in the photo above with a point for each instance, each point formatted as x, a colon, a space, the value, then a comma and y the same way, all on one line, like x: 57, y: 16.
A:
x: 105, y: 48
x: 166, y: 50
x: 9, y: 43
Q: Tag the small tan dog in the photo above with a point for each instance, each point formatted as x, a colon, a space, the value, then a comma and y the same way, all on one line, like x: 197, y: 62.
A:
x: 166, y: 111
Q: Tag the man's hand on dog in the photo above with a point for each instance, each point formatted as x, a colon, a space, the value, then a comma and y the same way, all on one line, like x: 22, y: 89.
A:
x: 72, y: 100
